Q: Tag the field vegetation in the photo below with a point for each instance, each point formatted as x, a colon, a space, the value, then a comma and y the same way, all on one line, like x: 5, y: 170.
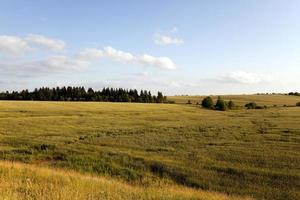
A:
x: 262, y: 100
x: 249, y: 153
x: 26, y: 182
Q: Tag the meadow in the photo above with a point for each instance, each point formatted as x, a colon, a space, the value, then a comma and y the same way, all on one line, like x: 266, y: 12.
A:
x: 240, y: 153
x: 26, y: 182
x: 268, y: 100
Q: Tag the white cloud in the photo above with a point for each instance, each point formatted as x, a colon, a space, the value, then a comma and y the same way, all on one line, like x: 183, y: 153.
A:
x: 90, y: 54
x: 161, y: 62
x: 50, y: 43
x: 125, y: 57
x: 64, y: 62
x: 167, y: 40
x: 241, y: 77
x: 13, y: 45
x: 50, y: 65
x: 25, y: 66
x: 118, y: 55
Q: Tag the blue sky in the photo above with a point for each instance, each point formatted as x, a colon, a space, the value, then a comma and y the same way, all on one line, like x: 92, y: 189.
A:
x: 178, y: 47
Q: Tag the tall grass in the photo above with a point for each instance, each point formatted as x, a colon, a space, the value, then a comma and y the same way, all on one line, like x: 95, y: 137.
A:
x: 27, y: 182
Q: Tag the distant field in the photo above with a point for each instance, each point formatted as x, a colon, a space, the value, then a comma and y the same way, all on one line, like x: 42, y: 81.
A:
x: 268, y: 100
x: 240, y: 152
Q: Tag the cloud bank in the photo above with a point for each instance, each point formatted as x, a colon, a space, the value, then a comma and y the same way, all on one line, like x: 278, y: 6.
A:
x: 13, y: 45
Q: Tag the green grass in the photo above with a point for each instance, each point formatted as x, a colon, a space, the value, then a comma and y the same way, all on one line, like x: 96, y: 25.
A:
x: 241, y: 152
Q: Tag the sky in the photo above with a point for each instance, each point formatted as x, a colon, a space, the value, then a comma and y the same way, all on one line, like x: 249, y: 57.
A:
x: 177, y: 47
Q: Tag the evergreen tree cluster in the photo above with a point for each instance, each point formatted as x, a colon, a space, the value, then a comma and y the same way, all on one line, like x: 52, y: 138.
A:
x: 80, y: 94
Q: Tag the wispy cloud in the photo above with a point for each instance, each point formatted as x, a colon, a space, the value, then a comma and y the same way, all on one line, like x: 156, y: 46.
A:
x: 13, y: 45
x: 53, y: 64
x: 167, y: 40
x: 90, y: 54
x: 174, y: 30
x: 241, y: 77
x: 43, y: 41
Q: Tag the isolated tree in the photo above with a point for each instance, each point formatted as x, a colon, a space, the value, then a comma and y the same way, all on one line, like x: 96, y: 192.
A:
x: 221, y: 104
x: 207, y: 102
x: 298, y: 104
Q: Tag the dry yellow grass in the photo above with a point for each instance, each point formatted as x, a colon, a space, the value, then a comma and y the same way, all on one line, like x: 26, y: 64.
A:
x: 23, y: 181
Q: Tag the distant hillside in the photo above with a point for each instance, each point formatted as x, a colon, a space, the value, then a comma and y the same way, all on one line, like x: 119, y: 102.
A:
x: 264, y: 99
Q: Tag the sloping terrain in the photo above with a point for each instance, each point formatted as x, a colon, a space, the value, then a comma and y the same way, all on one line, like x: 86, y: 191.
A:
x: 25, y: 182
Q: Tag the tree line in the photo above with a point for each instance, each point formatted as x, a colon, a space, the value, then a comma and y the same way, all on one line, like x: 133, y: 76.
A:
x: 294, y: 93
x: 81, y: 94
x: 222, y: 105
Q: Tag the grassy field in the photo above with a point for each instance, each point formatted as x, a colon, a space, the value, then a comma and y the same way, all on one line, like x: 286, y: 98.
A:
x: 241, y: 100
x: 252, y: 153
x: 26, y: 182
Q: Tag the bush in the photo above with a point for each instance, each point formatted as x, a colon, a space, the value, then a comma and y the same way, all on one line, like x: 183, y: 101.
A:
x: 259, y: 107
x: 221, y: 104
x: 298, y: 104
x: 207, y: 102
x: 251, y: 105
x: 231, y: 105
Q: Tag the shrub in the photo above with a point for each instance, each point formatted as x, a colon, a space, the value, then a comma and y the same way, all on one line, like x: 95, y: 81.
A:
x: 251, y: 105
x: 221, y: 104
x: 189, y: 102
x: 207, y: 102
x: 298, y: 104
x: 231, y: 105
